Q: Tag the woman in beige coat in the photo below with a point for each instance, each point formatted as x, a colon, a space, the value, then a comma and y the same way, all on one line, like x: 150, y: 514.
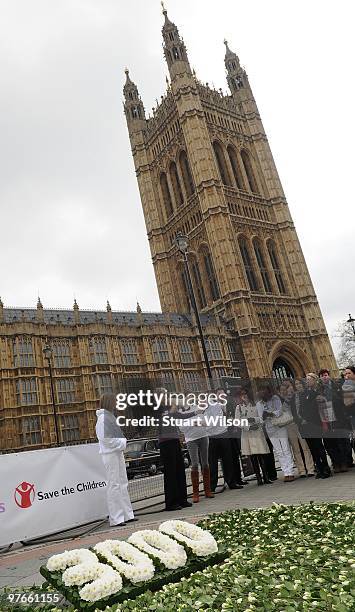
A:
x: 253, y: 441
x: 304, y: 464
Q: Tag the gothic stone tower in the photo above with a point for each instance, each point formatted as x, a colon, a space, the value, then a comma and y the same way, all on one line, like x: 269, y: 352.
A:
x: 204, y: 167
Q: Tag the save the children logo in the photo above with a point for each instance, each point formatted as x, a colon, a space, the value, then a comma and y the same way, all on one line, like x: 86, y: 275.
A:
x: 24, y: 495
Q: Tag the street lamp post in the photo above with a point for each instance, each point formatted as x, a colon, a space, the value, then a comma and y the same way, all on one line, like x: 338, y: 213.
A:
x: 183, y: 244
x: 47, y: 351
x: 352, y: 323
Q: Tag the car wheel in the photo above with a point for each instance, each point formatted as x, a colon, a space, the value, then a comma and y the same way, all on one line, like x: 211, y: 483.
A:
x: 153, y: 470
x: 186, y: 461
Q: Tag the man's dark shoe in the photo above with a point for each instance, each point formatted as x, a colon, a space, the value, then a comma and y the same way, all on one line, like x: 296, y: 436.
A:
x: 186, y: 504
x: 172, y: 508
x: 235, y: 486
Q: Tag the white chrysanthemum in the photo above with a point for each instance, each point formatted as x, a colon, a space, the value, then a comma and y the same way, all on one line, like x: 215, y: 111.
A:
x: 201, y: 541
x: 106, y: 583
x: 70, y: 557
x: 159, y: 545
x: 82, y: 566
x: 135, y: 565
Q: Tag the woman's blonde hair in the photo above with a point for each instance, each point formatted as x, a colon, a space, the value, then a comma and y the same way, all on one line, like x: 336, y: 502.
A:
x: 108, y: 402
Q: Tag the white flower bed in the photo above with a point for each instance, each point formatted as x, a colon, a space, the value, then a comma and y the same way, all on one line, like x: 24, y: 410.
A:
x: 81, y: 566
x: 168, y: 551
x: 132, y: 559
x: 201, y: 542
x: 139, y: 567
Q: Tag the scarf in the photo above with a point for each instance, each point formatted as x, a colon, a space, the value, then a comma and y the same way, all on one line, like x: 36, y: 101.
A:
x: 111, y: 429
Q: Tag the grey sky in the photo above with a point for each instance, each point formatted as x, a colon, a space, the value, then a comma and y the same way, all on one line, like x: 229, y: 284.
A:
x: 71, y: 217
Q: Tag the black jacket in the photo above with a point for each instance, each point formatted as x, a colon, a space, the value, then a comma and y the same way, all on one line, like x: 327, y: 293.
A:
x: 310, y: 423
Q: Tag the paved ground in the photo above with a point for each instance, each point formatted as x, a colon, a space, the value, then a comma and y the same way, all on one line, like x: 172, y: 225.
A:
x: 21, y: 566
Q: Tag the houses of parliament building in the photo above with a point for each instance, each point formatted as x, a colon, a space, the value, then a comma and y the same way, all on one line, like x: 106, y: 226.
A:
x: 205, y: 169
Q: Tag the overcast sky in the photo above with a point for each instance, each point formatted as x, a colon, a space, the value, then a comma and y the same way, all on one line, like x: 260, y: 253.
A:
x: 71, y: 218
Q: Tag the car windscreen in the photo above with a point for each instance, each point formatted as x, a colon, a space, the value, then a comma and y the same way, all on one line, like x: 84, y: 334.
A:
x: 134, y: 447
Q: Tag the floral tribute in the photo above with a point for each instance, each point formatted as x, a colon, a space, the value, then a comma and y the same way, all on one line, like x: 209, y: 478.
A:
x: 114, y: 570
x: 282, y: 558
x: 200, y: 541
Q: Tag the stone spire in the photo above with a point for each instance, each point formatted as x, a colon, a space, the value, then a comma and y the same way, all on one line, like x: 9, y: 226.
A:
x: 39, y: 310
x: 1, y: 310
x: 139, y: 310
x: 174, y: 48
x: 76, y: 312
x: 236, y: 75
x: 109, y: 312
x: 133, y: 105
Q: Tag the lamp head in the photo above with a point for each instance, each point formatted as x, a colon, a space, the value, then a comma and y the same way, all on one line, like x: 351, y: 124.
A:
x: 182, y: 242
x: 47, y: 351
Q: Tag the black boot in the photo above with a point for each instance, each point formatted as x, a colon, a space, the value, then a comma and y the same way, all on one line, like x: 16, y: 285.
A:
x: 256, y: 467
x: 264, y: 470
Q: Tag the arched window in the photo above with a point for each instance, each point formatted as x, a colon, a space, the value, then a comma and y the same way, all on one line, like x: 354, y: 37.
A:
x: 211, y: 276
x: 249, y: 171
x: 186, y: 174
x: 221, y: 163
x: 276, y: 267
x: 263, y: 269
x: 168, y: 203
x: 136, y: 112
x: 235, y: 167
x: 176, y: 53
x: 198, y: 285
x: 281, y: 370
x: 248, y: 266
x: 179, y: 198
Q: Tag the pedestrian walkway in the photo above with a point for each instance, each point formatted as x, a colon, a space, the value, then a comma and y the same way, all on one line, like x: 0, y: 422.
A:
x: 21, y: 567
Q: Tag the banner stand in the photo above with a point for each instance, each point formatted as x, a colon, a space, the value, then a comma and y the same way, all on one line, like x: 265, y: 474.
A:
x: 48, y: 538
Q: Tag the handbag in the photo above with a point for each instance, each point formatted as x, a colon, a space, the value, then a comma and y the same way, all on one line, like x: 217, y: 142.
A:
x: 284, y: 419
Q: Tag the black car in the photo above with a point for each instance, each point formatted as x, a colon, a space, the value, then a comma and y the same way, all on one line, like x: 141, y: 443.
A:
x: 143, y: 457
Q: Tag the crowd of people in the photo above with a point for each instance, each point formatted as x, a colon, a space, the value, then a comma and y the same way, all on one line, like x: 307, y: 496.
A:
x: 307, y: 425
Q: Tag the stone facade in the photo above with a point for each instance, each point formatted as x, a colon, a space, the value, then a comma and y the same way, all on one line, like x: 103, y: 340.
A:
x: 204, y: 168
x: 94, y: 353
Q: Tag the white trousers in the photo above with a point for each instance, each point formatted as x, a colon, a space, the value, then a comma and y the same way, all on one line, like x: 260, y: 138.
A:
x: 119, y: 503
x: 283, y: 452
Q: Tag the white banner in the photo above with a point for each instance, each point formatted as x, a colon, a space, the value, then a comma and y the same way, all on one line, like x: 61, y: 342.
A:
x: 44, y: 491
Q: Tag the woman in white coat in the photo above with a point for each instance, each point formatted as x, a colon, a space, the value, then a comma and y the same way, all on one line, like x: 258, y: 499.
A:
x: 112, y: 443
x: 270, y: 409
x: 253, y: 441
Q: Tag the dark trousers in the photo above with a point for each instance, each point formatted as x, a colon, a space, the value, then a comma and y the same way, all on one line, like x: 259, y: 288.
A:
x: 220, y: 448
x: 174, y: 473
x: 269, y: 461
x: 235, y: 446
x: 338, y: 450
x: 318, y: 453
x: 259, y: 465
